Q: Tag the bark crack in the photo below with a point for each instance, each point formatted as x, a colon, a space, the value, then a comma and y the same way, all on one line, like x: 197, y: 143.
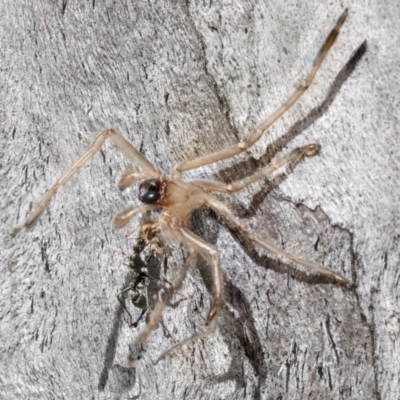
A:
x: 223, y: 103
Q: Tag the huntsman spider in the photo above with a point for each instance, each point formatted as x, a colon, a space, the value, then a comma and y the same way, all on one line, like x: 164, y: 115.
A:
x: 177, y: 199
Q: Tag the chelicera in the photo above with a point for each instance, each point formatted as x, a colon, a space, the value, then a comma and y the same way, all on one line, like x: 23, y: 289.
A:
x: 177, y: 199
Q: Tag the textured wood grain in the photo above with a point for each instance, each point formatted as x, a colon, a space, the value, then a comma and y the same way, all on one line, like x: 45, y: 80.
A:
x: 181, y: 79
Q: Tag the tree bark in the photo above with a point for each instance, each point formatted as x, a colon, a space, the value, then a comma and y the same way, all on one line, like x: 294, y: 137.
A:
x: 181, y: 79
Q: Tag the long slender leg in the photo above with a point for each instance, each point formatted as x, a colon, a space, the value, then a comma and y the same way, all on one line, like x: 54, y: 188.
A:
x: 125, y: 216
x: 141, y: 161
x: 156, y: 314
x: 210, y: 330
x: 130, y: 176
x: 219, y: 207
x: 295, y: 156
x: 211, y: 255
x: 255, y: 136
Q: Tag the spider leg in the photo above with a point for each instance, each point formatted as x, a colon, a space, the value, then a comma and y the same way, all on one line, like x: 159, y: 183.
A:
x: 210, y: 330
x: 166, y: 330
x: 238, y: 148
x: 120, y: 142
x: 125, y: 216
x: 219, y: 207
x: 156, y: 314
x: 130, y: 176
x: 292, y: 158
x: 211, y: 255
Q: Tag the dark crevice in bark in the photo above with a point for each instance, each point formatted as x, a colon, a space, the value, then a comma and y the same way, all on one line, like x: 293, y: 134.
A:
x: 370, y: 325
x: 223, y: 103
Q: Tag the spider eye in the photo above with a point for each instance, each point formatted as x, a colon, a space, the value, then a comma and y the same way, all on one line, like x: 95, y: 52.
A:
x: 150, y: 191
x: 154, y: 185
x: 150, y: 197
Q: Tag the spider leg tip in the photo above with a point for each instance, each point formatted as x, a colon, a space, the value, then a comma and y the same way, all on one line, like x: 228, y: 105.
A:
x: 120, y: 221
x: 212, y: 314
x: 157, y: 361
x: 19, y: 230
x: 343, y: 16
x: 311, y: 150
x: 344, y: 281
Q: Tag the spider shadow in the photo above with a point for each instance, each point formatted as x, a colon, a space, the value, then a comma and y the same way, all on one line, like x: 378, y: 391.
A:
x: 251, y: 165
x: 260, y: 197
x: 251, y: 344
x: 206, y: 224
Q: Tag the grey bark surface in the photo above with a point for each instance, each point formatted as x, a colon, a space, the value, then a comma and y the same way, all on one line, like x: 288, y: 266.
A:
x: 180, y: 79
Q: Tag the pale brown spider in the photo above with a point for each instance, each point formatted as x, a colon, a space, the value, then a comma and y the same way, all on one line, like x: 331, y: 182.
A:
x: 178, y: 199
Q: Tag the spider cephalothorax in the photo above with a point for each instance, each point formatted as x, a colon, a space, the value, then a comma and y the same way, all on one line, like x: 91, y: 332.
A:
x: 178, y: 199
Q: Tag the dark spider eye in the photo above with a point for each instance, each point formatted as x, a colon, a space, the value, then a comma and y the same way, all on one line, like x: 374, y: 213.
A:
x: 151, y: 185
x: 150, y: 197
x: 149, y: 191
x: 154, y: 185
